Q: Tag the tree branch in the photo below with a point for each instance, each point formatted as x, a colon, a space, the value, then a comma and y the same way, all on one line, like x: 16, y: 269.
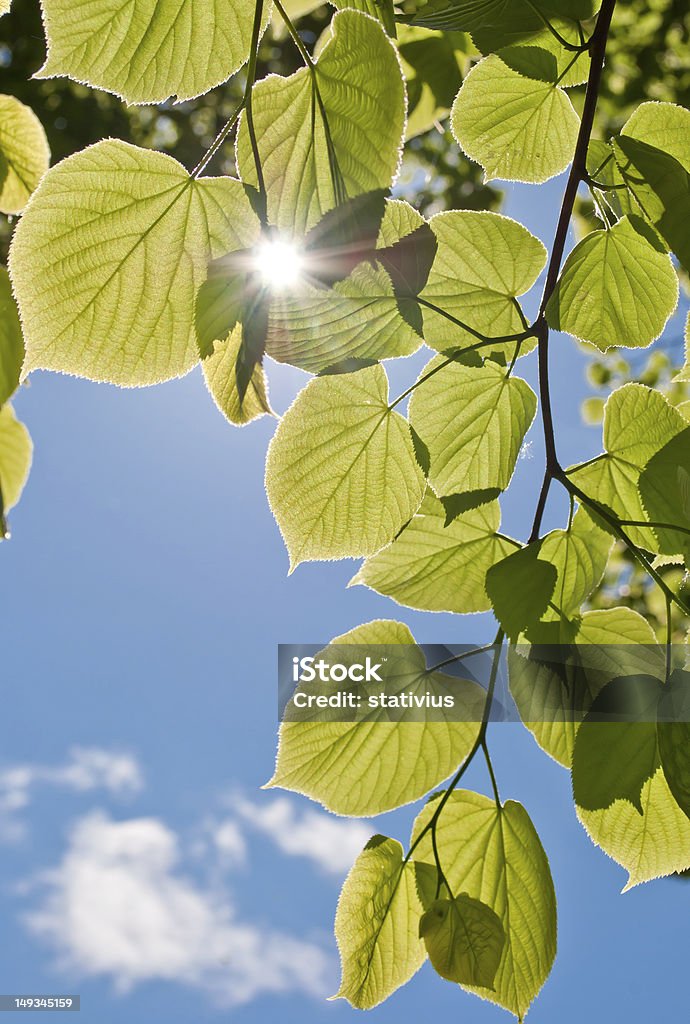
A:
x: 578, y: 173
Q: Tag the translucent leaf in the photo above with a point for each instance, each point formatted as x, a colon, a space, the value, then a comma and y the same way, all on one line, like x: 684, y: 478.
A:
x: 15, y: 458
x: 4, y: 7
x: 361, y: 89
x: 11, y: 342
x: 663, y: 125
x: 341, y: 472
x: 579, y: 555
x: 494, y: 855
x: 684, y: 373
x: 648, y: 845
x: 371, y: 766
x: 148, y: 51
x: 108, y: 257
x: 24, y: 154
x: 673, y: 736
x: 616, y: 288
x: 220, y: 373
x: 472, y: 421
x: 664, y: 487
x: 464, y: 939
x: 432, y: 63
x: 363, y: 316
x: 359, y: 318
x: 437, y: 567
x: 553, y: 698
x: 515, y: 127
x: 376, y: 925
x: 542, y: 56
x: 638, y: 422
x: 526, y: 573
x: 660, y: 187
x: 382, y: 10
x: 612, y: 760
x: 483, y: 263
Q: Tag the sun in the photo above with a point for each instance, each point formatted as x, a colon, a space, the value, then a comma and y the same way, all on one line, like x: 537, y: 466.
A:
x: 279, y: 263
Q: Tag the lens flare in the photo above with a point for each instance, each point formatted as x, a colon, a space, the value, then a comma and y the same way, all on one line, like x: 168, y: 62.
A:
x: 279, y: 263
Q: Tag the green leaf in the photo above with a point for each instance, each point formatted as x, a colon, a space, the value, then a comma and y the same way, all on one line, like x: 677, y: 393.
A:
x: 362, y: 91
x: 382, y: 10
x: 648, y: 845
x: 374, y: 765
x: 638, y: 422
x: 432, y: 63
x: 435, y: 567
x: 341, y: 472
x: 376, y: 925
x: 664, y: 487
x: 554, y: 690
x: 516, y: 128
x: 542, y: 56
x: 660, y: 187
x: 684, y: 373
x: 464, y: 939
x: 469, y: 16
x: 483, y: 263
x: 11, y: 341
x: 24, y: 154
x: 494, y: 855
x: 15, y: 461
x: 525, y: 573
x: 616, y: 288
x: 673, y: 737
x: 151, y: 51
x: 579, y: 555
x: 108, y: 257
x: 473, y: 421
x: 664, y: 126
x: 315, y: 327
x: 220, y: 373
x: 614, y: 758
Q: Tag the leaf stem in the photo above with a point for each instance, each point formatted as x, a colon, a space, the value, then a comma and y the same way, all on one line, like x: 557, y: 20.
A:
x: 251, y: 77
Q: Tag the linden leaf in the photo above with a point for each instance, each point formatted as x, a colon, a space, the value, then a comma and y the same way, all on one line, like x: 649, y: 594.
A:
x: 148, y: 50
x: 24, y: 154
x: 108, y: 257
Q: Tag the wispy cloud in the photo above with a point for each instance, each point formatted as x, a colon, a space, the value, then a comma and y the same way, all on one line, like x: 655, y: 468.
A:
x: 331, y: 843
x: 118, y: 905
x: 85, y: 770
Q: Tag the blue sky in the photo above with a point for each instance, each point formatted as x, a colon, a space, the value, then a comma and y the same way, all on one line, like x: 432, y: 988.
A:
x: 146, y: 591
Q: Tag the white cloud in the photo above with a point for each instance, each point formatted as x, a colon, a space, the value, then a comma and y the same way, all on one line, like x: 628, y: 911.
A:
x: 117, y: 905
x: 87, y: 769
x: 332, y: 843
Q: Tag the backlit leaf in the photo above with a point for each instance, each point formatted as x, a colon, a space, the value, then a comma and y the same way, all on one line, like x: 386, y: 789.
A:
x: 638, y: 422
x: 439, y: 567
x: 108, y: 257
x: 375, y: 764
x: 616, y: 288
x: 473, y: 421
x: 376, y: 925
x: 494, y: 855
x: 341, y: 472
x: 11, y: 342
x: 361, y: 87
x: 483, y: 263
x: 464, y: 939
x: 148, y: 50
x: 24, y: 154
x: 516, y: 128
